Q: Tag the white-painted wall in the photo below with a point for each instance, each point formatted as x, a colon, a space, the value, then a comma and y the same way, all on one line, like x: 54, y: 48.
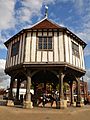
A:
x: 61, y: 47
x: 70, y: 58
x: 29, y: 53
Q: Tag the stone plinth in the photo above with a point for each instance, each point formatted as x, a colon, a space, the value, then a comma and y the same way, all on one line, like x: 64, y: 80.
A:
x: 27, y: 104
x: 61, y: 104
x: 79, y: 104
x: 73, y: 104
x: 10, y: 103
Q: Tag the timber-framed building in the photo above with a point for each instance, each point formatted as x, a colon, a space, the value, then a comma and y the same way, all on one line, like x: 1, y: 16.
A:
x: 45, y: 53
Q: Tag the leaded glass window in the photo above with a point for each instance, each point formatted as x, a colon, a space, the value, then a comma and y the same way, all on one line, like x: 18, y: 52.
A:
x: 45, y: 43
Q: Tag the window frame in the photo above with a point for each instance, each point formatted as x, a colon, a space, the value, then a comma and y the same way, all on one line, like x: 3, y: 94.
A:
x: 42, y: 42
x: 15, y: 48
x: 75, y: 49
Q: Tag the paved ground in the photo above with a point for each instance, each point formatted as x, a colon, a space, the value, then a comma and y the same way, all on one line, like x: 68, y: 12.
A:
x: 14, y: 113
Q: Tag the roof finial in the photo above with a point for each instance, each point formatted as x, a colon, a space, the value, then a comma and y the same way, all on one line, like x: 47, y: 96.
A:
x: 46, y: 11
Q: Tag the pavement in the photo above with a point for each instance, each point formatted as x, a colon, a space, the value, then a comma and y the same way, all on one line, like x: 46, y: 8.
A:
x: 47, y: 113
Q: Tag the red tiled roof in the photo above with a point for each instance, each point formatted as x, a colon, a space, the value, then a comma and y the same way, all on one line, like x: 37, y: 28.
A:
x: 46, y: 24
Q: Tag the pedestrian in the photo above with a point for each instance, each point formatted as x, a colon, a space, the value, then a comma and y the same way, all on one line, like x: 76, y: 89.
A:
x: 57, y: 98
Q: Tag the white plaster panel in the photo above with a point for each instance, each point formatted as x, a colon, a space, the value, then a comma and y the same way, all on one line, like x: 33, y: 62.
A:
x: 13, y: 61
x: 39, y: 33
x: 27, y: 52
x: 66, y: 48
x: 55, y: 47
x: 70, y: 50
x: 44, y: 33
x: 22, y: 54
x: 33, y: 48
x: 50, y: 34
x: 81, y: 57
x: 38, y: 56
x: 20, y: 47
x: 61, y: 47
x: 44, y: 56
x: 76, y: 62
x: 50, y: 56
x: 73, y: 60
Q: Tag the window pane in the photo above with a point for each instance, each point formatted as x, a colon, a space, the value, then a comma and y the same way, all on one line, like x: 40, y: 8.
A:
x: 40, y: 46
x: 50, y: 43
x: 75, y: 49
x: 40, y: 43
x: 15, y: 49
x: 44, y: 43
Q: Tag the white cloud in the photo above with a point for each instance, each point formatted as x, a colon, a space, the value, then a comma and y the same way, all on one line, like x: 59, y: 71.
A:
x: 20, y: 17
x: 29, y: 9
x: 7, y: 14
x: 4, y: 79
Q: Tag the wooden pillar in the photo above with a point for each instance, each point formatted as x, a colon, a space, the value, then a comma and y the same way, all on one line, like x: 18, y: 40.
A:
x: 78, y: 91
x: 28, y: 95
x: 28, y: 103
x: 78, y: 104
x: 71, y: 90
x: 18, y: 86
x: 10, y: 97
x: 61, y: 94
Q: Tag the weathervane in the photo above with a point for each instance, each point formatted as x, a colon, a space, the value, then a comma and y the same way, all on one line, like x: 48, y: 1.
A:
x: 46, y: 11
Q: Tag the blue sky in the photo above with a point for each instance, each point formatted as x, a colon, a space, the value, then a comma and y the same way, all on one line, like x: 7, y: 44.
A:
x: 18, y: 14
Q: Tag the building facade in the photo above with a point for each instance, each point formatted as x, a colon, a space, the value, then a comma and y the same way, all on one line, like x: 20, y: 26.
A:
x: 45, y: 53
x: 83, y: 92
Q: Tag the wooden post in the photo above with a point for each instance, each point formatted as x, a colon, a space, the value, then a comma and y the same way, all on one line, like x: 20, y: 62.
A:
x: 10, y: 96
x: 28, y: 103
x: 61, y: 94
x: 78, y: 104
